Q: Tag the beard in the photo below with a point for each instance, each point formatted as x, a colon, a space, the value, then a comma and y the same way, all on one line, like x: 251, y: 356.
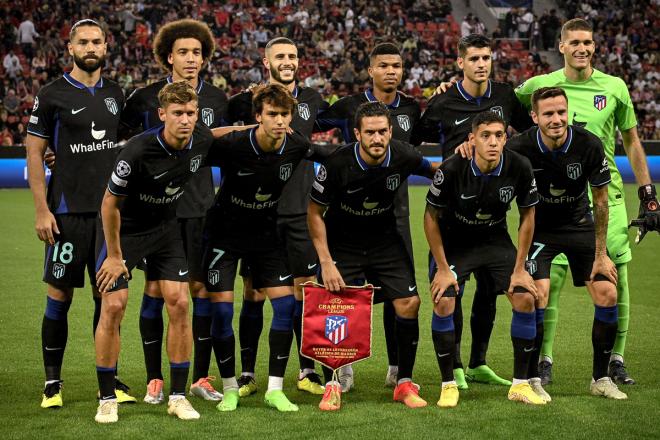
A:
x: 86, y: 65
x: 275, y: 73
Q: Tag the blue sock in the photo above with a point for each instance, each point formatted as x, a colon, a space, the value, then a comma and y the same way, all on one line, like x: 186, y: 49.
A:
x: 56, y: 310
x: 442, y: 323
x: 201, y: 307
x: 540, y: 315
x: 223, y: 315
x: 152, y: 308
x: 609, y: 315
x: 283, y: 309
x: 298, y: 311
x: 523, y: 325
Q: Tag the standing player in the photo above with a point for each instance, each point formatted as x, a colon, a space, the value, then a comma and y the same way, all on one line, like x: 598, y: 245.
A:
x: 139, y: 221
x: 183, y: 48
x: 77, y: 116
x: 355, y: 233
x: 566, y: 158
x: 386, y: 72
x: 600, y: 103
x: 281, y: 60
x: 465, y: 225
x: 448, y: 121
x: 242, y: 224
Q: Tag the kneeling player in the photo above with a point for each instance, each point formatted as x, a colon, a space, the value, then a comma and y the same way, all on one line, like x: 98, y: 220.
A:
x: 465, y: 225
x: 566, y: 158
x: 358, y: 237
x: 139, y: 221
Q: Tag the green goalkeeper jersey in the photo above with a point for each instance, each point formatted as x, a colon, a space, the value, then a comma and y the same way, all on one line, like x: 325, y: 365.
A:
x: 601, y: 104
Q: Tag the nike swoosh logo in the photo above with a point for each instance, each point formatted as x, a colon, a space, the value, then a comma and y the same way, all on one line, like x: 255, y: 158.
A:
x: 284, y: 278
x: 607, y: 351
x: 528, y: 350
x: 106, y: 397
x: 311, y: 266
x: 160, y: 175
x: 182, y: 273
x: 537, y: 169
x: 204, y: 339
x: 245, y: 173
x: 282, y: 357
x: 351, y: 191
x: 411, y: 288
x: 621, y: 254
x: 75, y: 112
x: 245, y: 349
x: 443, y: 355
x: 464, y: 197
x: 457, y: 122
x: 53, y: 349
x: 224, y: 361
x: 150, y: 342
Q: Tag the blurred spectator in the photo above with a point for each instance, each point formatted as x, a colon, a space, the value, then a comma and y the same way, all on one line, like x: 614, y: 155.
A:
x: 466, y: 26
x: 26, y: 35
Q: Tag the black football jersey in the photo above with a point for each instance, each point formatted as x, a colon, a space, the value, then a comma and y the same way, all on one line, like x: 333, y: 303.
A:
x: 562, y: 175
x: 310, y: 103
x: 404, y: 115
x: 253, y: 180
x: 359, y: 197
x: 141, y: 113
x: 152, y: 177
x: 448, y: 117
x: 81, y: 126
x: 472, y: 203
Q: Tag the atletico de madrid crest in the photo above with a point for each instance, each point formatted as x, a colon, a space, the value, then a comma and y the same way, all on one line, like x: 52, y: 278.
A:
x: 336, y: 328
x: 303, y: 111
x: 600, y: 102
x: 111, y: 104
x: 404, y: 122
x: 208, y: 116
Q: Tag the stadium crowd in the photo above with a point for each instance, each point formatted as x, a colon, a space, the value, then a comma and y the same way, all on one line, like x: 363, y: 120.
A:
x: 33, y: 46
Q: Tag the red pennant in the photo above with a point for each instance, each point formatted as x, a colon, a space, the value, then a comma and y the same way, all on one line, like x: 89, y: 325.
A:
x: 337, y: 327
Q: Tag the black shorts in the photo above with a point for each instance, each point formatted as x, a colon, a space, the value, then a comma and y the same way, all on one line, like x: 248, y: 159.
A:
x: 192, y: 231
x: 268, y: 266
x: 403, y: 227
x: 73, y: 252
x: 294, y: 234
x: 493, y: 258
x: 161, y: 247
x: 579, y: 247
x: 385, y: 265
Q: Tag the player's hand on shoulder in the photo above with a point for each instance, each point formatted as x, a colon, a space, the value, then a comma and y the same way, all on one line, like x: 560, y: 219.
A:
x: 331, y: 277
x: 466, y: 150
x: 521, y: 278
x: 603, y: 265
x: 46, y: 226
x: 110, y: 271
x: 444, y: 86
x: 444, y: 279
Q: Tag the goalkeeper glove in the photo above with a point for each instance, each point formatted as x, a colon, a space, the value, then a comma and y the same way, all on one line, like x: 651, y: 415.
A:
x: 649, y: 212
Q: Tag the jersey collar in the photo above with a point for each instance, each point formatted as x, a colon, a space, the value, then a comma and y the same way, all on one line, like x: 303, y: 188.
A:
x: 255, y: 144
x: 169, y: 149
x: 496, y: 172
x: 563, y: 149
x: 365, y: 166
x: 369, y: 94
x: 200, y: 83
x: 77, y: 84
x: 295, y: 92
x: 469, y: 97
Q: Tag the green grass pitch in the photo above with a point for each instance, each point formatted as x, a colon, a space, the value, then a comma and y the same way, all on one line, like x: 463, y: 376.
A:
x: 368, y: 410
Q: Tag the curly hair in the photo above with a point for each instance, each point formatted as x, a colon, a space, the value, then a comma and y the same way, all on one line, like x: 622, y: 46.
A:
x: 175, y: 30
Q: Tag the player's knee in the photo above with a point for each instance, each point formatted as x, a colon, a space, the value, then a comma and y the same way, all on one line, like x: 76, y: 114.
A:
x: 605, y: 294
x: 113, y: 307
x: 407, y: 307
x: 445, y: 306
x: 198, y: 290
x: 254, y: 295
x: 283, y: 308
x: 152, y: 289
x: 59, y: 294
x: 177, y: 308
x: 523, y: 302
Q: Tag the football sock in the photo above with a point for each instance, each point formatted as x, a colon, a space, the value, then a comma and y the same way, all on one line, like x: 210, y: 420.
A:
x: 458, y: 330
x: 442, y: 330
x: 557, y: 280
x: 106, y: 378
x: 533, y: 370
x: 305, y: 363
x: 603, y: 334
x: 523, y: 333
x: 222, y: 334
x: 178, y: 378
x: 151, y: 331
x: 54, y: 334
x: 623, y: 303
x: 281, y: 334
x: 482, y: 319
x: 407, y: 336
x: 389, y: 324
x: 201, y: 328
x: 250, y: 325
x: 327, y: 374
